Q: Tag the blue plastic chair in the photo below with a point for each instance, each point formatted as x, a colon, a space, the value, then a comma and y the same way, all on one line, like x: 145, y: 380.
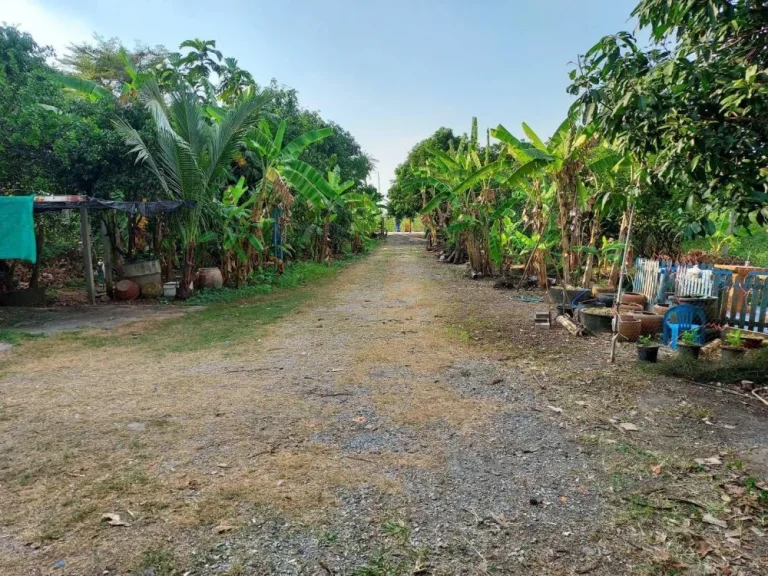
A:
x: 681, y: 319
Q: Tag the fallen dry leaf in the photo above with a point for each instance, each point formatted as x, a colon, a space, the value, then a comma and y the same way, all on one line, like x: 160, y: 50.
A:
x: 221, y: 528
x: 360, y: 420
x: 113, y: 519
x: 656, y: 470
x: 703, y: 548
x: 555, y: 409
x: 628, y: 426
x: 711, y: 461
x: 563, y: 499
x: 709, y: 519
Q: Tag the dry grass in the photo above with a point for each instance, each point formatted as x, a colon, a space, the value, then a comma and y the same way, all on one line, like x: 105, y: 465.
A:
x: 178, y: 444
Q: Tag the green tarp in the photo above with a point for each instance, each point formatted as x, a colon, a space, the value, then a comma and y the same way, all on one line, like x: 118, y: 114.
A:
x: 17, y: 228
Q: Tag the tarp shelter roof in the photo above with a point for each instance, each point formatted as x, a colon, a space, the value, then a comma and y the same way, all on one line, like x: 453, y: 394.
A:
x: 57, y: 203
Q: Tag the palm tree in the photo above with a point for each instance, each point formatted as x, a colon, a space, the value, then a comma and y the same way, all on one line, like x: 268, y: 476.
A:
x: 190, y: 156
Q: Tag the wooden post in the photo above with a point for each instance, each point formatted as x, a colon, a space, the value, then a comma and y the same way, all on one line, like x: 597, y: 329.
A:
x: 85, y: 237
x: 107, y: 258
x: 621, y: 282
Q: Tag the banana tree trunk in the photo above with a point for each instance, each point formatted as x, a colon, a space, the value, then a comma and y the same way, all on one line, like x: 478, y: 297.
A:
x: 594, y: 232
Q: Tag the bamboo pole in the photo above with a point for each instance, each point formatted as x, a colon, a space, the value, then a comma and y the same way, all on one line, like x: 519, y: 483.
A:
x: 621, y: 283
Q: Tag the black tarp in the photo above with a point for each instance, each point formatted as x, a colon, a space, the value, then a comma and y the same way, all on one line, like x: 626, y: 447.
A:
x: 143, y: 208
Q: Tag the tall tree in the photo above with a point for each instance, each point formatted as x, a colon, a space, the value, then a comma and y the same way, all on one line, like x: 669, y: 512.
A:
x: 693, y: 107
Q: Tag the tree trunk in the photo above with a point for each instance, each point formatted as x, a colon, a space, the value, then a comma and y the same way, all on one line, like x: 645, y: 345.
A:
x: 183, y: 292
x: 565, y: 235
x: 169, y: 261
x: 592, y: 242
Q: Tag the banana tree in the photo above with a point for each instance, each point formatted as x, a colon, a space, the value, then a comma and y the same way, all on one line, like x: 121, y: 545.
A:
x: 191, y: 157
x: 236, y: 231
x: 564, y: 160
x: 470, y: 187
x: 282, y: 171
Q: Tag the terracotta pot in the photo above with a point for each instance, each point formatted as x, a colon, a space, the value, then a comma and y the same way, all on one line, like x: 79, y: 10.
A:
x: 126, y: 290
x: 650, y: 323
x: 660, y: 309
x: 603, y: 290
x: 209, y: 278
x: 633, y: 298
x: 629, y: 327
x: 628, y: 308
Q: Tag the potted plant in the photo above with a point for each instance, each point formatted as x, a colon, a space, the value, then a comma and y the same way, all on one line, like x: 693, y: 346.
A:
x: 689, y: 346
x: 734, y: 345
x: 647, y: 349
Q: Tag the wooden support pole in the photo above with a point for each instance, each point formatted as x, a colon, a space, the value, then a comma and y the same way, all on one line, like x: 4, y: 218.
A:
x: 621, y: 283
x: 85, y: 237
x: 107, y: 258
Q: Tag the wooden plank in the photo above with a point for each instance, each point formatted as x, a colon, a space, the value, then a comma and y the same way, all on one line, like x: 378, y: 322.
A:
x: 85, y: 237
x: 763, y: 306
x: 744, y: 301
x: 735, y: 291
x: 753, y: 302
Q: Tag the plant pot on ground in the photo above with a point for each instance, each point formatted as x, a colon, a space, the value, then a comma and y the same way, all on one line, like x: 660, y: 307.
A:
x: 597, y: 319
x: 733, y: 348
x: 633, y: 298
x: 650, y: 323
x: 628, y: 327
x: 689, y: 346
x: 660, y: 309
x: 603, y: 290
x: 647, y: 349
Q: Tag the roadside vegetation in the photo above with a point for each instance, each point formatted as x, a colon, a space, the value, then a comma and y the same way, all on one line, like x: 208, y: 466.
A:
x: 672, y: 134
x: 263, y: 181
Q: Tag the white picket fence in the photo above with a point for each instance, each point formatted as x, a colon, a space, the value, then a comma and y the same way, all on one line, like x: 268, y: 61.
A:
x: 647, y: 278
x: 683, y: 279
x: 693, y: 281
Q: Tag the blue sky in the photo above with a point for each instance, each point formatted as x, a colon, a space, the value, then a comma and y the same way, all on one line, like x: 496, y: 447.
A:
x: 389, y: 71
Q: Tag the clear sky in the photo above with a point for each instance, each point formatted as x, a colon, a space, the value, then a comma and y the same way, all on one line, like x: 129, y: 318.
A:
x: 389, y: 71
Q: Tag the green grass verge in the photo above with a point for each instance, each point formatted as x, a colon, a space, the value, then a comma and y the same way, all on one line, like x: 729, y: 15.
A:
x: 15, y: 337
x: 295, y: 274
x: 753, y: 366
x: 231, y: 316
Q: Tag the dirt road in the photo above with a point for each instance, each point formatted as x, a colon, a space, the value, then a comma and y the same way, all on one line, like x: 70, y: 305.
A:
x: 402, y: 420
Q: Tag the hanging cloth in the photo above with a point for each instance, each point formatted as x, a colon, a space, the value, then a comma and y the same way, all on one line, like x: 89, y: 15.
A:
x: 17, y: 228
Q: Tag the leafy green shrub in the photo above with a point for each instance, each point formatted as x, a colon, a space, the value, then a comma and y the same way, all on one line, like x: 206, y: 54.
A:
x: 753, y: 366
